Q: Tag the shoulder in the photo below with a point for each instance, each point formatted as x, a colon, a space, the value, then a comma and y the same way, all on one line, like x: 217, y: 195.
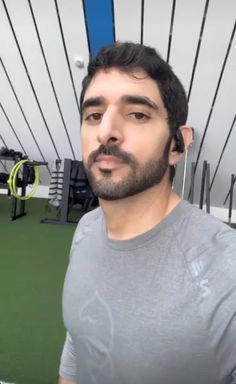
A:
x: 88, y: 224
x: 90, y: 218
x: 202, y: 230
x: 89, y: 221
x: 209, y: 248
x: 206, y: 243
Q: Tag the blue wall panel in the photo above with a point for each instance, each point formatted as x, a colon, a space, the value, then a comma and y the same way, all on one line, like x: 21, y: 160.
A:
x: 100, y: 23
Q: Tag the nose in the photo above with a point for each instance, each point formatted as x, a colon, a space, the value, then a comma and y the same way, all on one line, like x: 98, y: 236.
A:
x: 110, y: 128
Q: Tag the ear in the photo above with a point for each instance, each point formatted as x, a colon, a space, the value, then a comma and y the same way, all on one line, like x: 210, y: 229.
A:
x: 175, y: 154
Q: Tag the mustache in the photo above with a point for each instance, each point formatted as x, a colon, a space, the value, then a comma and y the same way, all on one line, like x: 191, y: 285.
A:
x: 108, y: 150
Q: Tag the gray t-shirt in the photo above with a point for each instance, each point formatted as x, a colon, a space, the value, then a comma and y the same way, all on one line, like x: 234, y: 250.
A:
x: 156, y: 309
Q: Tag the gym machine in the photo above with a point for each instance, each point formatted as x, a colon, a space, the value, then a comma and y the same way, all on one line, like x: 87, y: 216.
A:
x: 74, y: 189
x: 12, y: 182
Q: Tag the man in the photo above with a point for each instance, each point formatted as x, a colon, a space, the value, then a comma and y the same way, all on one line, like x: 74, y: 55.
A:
x: 150, y: 291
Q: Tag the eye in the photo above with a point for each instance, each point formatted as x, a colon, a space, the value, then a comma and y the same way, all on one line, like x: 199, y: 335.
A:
x: 139, y: 116
x: 96, y: 116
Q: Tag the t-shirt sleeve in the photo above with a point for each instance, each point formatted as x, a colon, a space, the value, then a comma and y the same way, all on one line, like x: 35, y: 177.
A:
x: 219, y: 305
x: 67, y: 368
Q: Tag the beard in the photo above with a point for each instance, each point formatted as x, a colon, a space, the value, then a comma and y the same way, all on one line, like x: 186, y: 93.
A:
x: 138, y: 179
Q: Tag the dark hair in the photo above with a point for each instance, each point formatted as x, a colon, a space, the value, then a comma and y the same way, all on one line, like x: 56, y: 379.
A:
x: 130, y: 56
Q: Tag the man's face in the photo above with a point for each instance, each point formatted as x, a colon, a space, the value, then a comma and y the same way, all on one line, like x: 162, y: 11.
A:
x: 125, y: 136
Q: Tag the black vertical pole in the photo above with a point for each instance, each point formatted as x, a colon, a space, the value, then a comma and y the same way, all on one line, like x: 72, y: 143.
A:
x: 231, y: 198
x: 208, y: 188
x: 65, y: 191
x: 203, y: 184
x: 191, y: 197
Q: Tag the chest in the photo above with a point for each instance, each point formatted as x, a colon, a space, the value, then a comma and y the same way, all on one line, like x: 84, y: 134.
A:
x: 136, y: 317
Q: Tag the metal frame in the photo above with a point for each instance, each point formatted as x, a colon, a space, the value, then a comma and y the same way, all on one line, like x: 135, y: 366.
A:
x: 16, y: 205
x: 66, y: 206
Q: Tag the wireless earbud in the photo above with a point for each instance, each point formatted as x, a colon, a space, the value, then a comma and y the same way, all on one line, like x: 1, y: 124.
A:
x: 179, y: 142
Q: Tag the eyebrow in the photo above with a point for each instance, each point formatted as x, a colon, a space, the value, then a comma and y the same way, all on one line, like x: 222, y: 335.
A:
x: 126, y: 99
x: 93, y: 102
x: 137, y: 99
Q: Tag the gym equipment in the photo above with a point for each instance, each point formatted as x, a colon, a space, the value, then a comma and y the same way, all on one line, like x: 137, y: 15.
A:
x: 75, y: 189
x: 28, y: 178
x: 11, y: 182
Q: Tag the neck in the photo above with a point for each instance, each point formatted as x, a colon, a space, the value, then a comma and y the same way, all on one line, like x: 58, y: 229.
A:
x: 132, y: 216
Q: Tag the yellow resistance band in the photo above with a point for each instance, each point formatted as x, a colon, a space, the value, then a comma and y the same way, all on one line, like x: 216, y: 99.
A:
x: 12, y: 181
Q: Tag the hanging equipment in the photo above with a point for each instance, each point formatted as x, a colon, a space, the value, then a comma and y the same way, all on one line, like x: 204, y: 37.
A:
x: 13, y: 180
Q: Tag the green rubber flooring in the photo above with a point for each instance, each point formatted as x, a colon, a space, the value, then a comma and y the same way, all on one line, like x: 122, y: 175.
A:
x: 33, y: 261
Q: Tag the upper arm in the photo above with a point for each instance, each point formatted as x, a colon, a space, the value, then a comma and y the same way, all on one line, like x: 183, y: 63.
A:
x: 61, y: 380
x: 68, y: 368
x: 220, y: 307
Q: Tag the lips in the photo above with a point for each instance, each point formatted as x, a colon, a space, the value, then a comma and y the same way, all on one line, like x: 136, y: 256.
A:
x: 108, y: 161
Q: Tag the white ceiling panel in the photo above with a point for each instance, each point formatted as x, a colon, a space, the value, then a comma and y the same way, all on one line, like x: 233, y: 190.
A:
x: 213, y: 49
x: 127, y: 20
x: 9, y: 133
x: 73, y: 25
x: 212, y: 54
x: 16, y: 71
x: 188, y: 19
x: 223, y: 112
x: 227, y: 167
x: 12, y: 109
x: 157, y: 19
x: 36, y: 67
